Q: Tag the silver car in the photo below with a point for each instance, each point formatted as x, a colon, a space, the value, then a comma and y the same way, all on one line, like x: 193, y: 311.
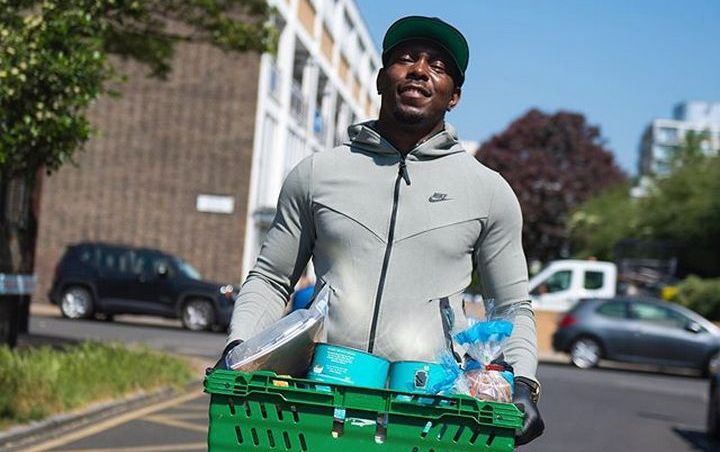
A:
x: 638, y: 330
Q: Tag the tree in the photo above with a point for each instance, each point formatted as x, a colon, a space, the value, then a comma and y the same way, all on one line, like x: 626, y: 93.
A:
x: 681, y: 208
x: 684, y: 207
x: 602, y: 221
x: 553, y: 162
x: 54, y: 61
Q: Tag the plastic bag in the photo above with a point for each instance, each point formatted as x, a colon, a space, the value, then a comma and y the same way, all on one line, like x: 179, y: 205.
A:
x: 287, y: 346
x: 483, y: 374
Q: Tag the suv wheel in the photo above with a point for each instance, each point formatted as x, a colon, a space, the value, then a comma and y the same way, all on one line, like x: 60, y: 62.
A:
x: 585, y: 353
x: 76, y: 303
x: 198, y: 315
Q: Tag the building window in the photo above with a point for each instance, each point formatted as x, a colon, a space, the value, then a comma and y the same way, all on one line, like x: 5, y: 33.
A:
x: 295, y: 151
x: 667, y: 135
x: 265, y: 157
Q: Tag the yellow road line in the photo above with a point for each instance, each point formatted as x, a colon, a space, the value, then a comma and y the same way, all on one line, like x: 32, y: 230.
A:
x: 157, y: 448
x: 184, y: 415
x: 112, y: 422
x: 172, y: 422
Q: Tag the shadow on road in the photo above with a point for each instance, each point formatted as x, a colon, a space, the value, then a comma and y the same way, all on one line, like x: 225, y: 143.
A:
x: 39, y: 340
x: 698, y: 440
x: 128, y: 320
x: 634, y: 369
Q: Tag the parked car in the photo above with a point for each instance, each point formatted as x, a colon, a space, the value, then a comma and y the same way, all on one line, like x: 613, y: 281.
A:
x: 713, y: 416
x: 102, y: 279
x: 638, y: 330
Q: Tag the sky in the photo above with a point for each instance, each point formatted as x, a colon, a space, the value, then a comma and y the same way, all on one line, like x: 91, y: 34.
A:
x: 622, y: 63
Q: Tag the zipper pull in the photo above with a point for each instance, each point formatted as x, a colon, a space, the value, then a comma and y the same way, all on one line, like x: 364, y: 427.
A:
x: 404, y: 173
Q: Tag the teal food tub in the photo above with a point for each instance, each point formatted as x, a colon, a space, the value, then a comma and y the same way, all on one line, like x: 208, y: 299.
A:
x: 415, y: 376
x: 347, y: 366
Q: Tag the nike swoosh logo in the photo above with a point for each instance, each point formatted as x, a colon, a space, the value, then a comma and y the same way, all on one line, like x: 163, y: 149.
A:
x: 437, y: 197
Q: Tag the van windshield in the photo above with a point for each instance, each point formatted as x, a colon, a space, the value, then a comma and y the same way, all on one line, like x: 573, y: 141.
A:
x: 187, y: 269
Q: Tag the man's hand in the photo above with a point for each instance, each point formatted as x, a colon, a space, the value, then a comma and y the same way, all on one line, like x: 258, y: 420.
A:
x: 525, y: 400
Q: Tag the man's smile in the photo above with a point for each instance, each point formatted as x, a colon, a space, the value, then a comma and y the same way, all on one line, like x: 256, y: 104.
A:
x: 414, y: 90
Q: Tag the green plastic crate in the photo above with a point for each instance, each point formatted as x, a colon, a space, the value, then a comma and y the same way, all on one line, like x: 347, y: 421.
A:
x: 263, y: 411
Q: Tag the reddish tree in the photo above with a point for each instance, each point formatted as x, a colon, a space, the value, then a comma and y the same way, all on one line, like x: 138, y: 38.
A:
x: 553, y: 162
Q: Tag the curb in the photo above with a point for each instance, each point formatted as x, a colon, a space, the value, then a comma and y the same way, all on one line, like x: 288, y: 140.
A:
x: 20, y: 436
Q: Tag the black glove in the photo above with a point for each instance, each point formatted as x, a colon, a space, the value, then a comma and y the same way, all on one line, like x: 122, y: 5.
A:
x: 526, y: 402
x: 220, y: 364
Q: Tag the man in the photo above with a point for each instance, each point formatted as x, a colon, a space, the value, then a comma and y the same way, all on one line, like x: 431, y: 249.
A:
x: 397, y: 219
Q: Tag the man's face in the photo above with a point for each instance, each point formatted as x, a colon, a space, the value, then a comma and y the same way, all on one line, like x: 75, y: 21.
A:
x: 416, y: 84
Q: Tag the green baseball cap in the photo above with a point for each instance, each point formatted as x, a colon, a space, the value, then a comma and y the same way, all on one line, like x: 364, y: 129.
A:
x: 433, y: 29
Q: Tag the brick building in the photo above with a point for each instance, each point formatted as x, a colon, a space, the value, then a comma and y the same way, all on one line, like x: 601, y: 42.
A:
x: 193, y: 165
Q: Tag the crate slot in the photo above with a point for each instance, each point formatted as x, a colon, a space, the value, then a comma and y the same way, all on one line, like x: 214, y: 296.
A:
x: 474, y: 438
x: 255, y: 439
x: 248, y: 412
x: 271, y: 440
x: 303, y: 444
x: 426, y: 429
x: 442, y: 431
x: 286, y: 438
x: 238, y: 434
x: 459, y: 433
x: 295, y: 415
x: 490, y: 439
x: 263, y: 411
x: 278, y: 409
x: 231, y: 405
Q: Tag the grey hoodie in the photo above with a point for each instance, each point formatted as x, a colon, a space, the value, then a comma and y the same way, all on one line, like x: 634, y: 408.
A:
x: 397, y: 240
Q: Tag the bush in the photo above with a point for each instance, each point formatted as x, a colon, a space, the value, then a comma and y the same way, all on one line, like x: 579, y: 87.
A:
x: 43, y: 381
x: 700, y: 295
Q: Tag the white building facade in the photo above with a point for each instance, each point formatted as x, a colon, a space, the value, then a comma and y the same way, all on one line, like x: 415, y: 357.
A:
x: 663, y: 136
x: 321, y: 81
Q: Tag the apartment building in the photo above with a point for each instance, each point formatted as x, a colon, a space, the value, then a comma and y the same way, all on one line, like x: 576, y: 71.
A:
x: 194, y: 165
x: 663, y: 136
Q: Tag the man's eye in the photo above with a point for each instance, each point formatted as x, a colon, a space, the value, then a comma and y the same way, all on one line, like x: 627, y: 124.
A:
x: 438, y: 67
x: 406, y: 58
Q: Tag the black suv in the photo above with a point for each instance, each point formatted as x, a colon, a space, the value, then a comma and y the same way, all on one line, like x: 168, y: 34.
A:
x: 99, y: 278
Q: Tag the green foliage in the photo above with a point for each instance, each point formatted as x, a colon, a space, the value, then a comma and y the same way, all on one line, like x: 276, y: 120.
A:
x: 54, y: 61
x: 602, y: 221
x: 700, y: 295
x: 682, y: 207
x: 43, y: 381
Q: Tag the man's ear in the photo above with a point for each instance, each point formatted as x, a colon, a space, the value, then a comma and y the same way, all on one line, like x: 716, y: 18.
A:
x: 455, y: 98
x: 381, y: 81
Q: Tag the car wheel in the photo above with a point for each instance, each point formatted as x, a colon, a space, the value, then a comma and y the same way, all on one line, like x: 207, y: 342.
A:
x: 711, y: 366
x: 585, y: 353
x: 76, y: 303
x: 713, y: 415
x: 198, y: 315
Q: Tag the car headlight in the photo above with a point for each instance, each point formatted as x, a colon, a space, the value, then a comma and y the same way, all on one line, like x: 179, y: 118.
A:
x: 228, y: 291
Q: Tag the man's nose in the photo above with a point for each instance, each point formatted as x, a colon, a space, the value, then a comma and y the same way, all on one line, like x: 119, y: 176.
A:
x: 419, y: 70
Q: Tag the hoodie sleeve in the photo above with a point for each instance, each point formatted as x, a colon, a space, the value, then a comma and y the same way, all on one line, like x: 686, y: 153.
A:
x: 502, y: 270
x: 283, y: 257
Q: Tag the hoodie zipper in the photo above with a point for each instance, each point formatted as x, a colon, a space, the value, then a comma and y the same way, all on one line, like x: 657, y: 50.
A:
x: 402, y: 175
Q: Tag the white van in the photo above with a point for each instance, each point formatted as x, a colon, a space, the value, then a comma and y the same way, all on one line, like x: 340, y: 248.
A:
x: 562, y: 283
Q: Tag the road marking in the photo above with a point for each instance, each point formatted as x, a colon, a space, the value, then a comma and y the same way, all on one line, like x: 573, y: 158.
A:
x: 188, y: 415
x: 163, y: 448
x: 113, y: 422
x: 173, y: 422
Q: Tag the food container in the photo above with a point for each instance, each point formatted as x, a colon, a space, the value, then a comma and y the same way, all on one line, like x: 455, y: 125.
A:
x: 348, y: 366
x: 415, y: 376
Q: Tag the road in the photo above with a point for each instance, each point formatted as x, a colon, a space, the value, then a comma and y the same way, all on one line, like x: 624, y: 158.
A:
x: 594, y: 410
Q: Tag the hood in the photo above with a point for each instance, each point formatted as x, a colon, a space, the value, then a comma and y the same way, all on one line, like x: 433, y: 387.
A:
x: 365, y: 137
